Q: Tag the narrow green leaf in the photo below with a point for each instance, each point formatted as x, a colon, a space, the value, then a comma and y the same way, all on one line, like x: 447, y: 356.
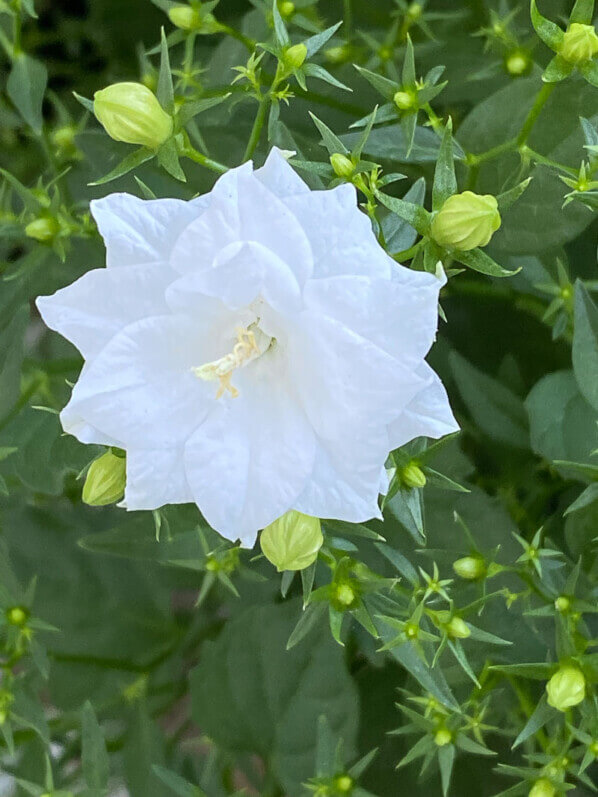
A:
x: 542, y: 713
x: 387, y: 88
x: 332, y: 143
x: 550, y: 33
x: 94, y: 757
x: 585, y: 344
x: 132, y: 161
x: 480, y: 261
x: 445, y: 181
x: 508, y: 198
x: 315, y: 43
x: 408, y: 74
x: 178, y: 785
x: 415, y: 215
x: 280, y: 31
x: 583, y: 12
x: 26, y: 87
x: 165, y: 90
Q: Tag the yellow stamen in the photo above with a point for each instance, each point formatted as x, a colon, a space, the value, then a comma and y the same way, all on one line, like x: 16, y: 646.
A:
x: 245, y: 349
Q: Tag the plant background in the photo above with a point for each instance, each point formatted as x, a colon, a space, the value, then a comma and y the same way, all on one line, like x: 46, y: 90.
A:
x: 210, y: 693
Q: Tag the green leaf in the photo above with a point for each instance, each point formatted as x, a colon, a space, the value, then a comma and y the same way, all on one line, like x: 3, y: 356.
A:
x: 165, y: 90
x: 387, y: 88
x: 508, y: 198
x: 280, y: 31
x: 168, y: 158
x: 26, y: 87
x: 478, y: 260
x: 11, y: 358
x: 250, y: 695
x: 542, y: 713
x: 398, y: 233
x: 144, y: 748
x: 494, y: 408
x: 558, y: 69
x: 562, y: 423
x: 446, y: 759
x: 315, y: 43
x: 177, y: 784
x: 585, y: 344
x: 550, y: 33
x: 94, y: 757
x: 132, y: 161
x: 583, y: 12
x: 332, y: 143
x: 445, y: 181
x: 191, y: 109
x: 415, y: 215
x: 408, y: 74
x: 87, y: 104
x: 588, y: 497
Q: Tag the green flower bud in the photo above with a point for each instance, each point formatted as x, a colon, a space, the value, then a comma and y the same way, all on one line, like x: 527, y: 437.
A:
x: 443, y: 737
x: 471, y: 568
x: 466, y: 221
x: 342, y: 165
x: 43, y: 229
x: 185, y: 17
x: 63, y: 138
x: 566, y: 688
x: 287, y: 9
x: 292, y: 542
x: 580, y: 43
x: 344, y: 783
x: 17, y: 615
x: 344, y: 596
x: 405, y: 100
x: 542, y: 788
x: 562, y: 604
x: 338, y: 54
x: 415, y: 11
x: 130, y: 112
x: 295, y: 56
x: 105, y: 481
x: 458, y: 628
x: 413, y: 476
x: 517, y: 63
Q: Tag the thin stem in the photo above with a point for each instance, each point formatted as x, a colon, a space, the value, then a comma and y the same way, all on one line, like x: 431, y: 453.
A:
x: 191, y: 153
x: 245, y: 40
x: 535, y: 112
x: 535, y: 156
x: 490, y: 154
x: 256, y: 130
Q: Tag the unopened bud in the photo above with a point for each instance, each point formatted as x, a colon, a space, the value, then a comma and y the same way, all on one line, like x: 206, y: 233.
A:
x: 413, y: 476
x: 286, y: 8
x: 43, y: 229
x: 517, y: 63
x: 344, y: 596
x: 404, y: 100
x: 471, y: 568
x: 344, y: 783
x: 342, y: 165
x: 442, y: 737
x: 566, y: 688
x: 542, y: 788
x: 562, y: 604
x: 130, y: 112
x: 415, y: 10
x: 580, y: 43
x: 292, y: 542
x: 295, y: 56
x: 185, y: 17
x: 338, y: 54
x: 105, y: 481
x: 63, y: 138
x: 17, y: 615
x: 458, y: 628
x: 466, y: 221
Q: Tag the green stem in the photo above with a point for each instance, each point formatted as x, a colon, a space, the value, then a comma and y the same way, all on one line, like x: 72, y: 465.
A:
x: 490, y: 154
x: 408, y: 254
x: 245, y: 40
x: 256, y: 130
x: 191, y: 153
x: 535, y: 156
x: 534, y: 113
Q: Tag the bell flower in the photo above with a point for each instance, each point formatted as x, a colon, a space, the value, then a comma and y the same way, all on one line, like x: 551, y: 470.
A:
x: 253, y: 351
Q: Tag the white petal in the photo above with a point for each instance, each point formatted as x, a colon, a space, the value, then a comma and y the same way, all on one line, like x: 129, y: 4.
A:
x: 139, y: 231
x: 249, y: 460
x: 156, y: 477
x: 140, y: 389
x: 256, y: 215
x: 399, y: 316
x: 280, y: 177
x: 102, y: 302
x: 428, y: 414
x: 340, y: 235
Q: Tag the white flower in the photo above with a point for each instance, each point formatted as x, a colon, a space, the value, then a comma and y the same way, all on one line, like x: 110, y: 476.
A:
x: 253, y: 350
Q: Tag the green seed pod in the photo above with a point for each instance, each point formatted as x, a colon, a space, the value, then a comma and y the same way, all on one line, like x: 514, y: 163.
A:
x: 542, y: 788
x: 466, y: 221
x: 292, y: 542
x: 43, y: 229
x: 580, y: 43
x: 130, y: 112
x: 105, y: 481
x: 471, y: 568
x: 342, y: 165
x: 566, y: 688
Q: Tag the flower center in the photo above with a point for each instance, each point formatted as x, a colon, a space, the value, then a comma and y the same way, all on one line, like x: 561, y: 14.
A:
x: 251, y: 344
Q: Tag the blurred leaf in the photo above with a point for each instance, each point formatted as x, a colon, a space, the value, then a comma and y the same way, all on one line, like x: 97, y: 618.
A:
x: 585, y: 345
x: 26, y: 87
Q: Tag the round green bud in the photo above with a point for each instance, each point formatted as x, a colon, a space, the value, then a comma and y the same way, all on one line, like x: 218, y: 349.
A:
x: 562, y: 604
x: 593, y: 748
x: 63, y: 138
x: 344, y: 596
x: 404, y: 100
x: 413, y: 476
x: 185, y: 17
x: 580, y: 43
x: 344, y: 783
x: 458, y: 628
x: 466, y: 221
x: 105, y: 480
x: 415, y: 11
x: 517, y: 63
x: 3, y: 716
x: 43, y: 229
x: 292, y: 542
x: 542, y: 788
x: 295, y: 56
x: 17, y: 615
x: 130, y: 112
x: 566, y: 688
x: 342, y: 165
x: 442, y: 737
x: 471, y: 568
x: 338, y: 54
x: 287, y: 9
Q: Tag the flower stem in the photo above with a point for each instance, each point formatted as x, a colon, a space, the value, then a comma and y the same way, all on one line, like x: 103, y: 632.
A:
x: 191, y: 153
x: 534, y: 113
x: 258, y: 125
